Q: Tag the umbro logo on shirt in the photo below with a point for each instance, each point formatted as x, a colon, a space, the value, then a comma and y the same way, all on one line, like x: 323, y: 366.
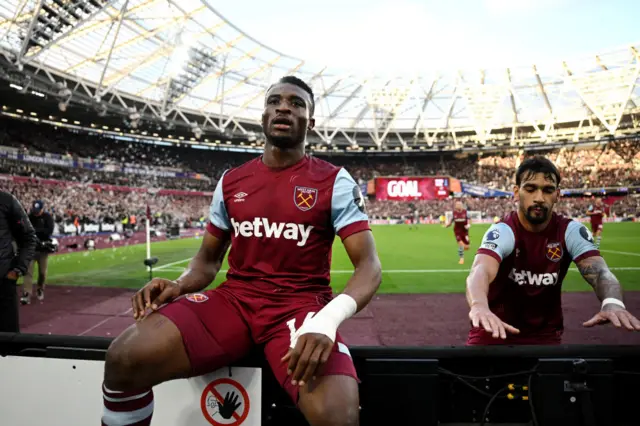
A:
x: 239, y: 197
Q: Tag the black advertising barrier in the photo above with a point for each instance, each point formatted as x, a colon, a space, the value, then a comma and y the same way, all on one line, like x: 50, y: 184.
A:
x: 540, y: 385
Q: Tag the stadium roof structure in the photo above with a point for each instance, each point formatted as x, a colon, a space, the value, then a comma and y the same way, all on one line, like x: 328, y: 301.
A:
x: 183, y: 62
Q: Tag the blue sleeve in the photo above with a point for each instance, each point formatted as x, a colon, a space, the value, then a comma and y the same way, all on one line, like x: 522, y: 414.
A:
x: 347, y: 202
x: 218, y: 211
x: 498, y: 241
x: 579, y: 240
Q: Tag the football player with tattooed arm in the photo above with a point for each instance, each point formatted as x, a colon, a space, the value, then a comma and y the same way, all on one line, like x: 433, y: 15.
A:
x: 514, y: 288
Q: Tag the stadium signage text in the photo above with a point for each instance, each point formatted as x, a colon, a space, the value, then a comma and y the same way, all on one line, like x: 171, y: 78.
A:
x: 527, y: 277
x: 411, y: 188
x: 88, y: 228
x: 148, y: 172
x: 261, y: 227
x: 65, y: 161
x: 483, y: 191
x: 403, y: 189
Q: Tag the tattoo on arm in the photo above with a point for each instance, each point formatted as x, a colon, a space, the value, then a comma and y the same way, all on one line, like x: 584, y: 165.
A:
x: 596, y: 272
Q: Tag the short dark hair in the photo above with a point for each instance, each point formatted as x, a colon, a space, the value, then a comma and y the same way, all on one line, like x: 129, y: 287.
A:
x: 292, y: 79
x: 534, y: 165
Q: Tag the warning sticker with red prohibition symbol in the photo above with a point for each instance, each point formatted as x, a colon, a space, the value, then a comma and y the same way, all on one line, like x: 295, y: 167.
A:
x: 225, y: 402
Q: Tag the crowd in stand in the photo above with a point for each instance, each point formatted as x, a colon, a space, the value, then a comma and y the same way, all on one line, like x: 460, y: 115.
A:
x: 81, y: 204
x: 615, y: 164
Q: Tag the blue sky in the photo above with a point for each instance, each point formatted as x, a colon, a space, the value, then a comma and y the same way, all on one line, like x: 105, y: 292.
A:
x: 435, y: 34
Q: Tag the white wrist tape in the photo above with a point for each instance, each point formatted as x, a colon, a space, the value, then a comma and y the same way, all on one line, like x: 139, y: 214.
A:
x: 612, y: 301
x: 328, y: 319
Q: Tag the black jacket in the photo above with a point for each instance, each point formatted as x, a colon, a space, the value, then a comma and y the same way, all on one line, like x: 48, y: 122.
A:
x: 15, y: 225
x: 43, y: 225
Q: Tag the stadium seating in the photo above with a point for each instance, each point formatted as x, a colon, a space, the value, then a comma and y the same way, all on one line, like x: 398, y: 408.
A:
x: 616, y: 164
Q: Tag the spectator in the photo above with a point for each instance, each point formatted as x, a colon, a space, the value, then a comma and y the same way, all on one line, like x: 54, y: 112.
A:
x: 15, y: 227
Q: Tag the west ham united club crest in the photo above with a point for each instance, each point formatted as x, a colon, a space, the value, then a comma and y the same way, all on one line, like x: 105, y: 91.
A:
x: 305, y: 198
x: 554, y: 252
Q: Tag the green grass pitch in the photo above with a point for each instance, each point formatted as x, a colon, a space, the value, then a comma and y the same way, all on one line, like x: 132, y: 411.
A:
x: 414, y: 261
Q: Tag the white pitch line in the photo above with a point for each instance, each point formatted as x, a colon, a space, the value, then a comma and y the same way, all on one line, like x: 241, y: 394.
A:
x: 621, y: 252
x: 618, y: 268
x: 161, y: 267
x: 167, y: 267
x: 427, y: 271
x: 104, y: 321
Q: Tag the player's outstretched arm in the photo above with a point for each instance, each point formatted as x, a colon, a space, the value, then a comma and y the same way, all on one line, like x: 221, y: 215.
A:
x: 497, y: 244
x: 200, y: 273
x: 595, y: 271
x: 483, y: 271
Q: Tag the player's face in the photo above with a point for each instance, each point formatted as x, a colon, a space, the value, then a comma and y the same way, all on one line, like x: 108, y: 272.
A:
x: 287, y: 115
x: 599, y: 202
x: 458, y: 206
x: 537, y: 194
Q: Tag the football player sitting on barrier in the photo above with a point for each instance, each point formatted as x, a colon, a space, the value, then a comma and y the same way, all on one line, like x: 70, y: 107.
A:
x: 280, y: 212
x: 514, y: 288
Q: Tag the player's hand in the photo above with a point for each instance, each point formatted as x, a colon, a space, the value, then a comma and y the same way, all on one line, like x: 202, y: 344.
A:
x: 311, y: 352
x: 467, y: 227
x: 153, y: 295
x: 617, y: 316
x: 481, y: 316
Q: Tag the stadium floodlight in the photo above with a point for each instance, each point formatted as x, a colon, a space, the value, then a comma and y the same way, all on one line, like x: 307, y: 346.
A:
x: 197, y: 131
x: 52, y: 20
x: 190, y: 65
x: 64, y: 94
x: 134, y: 117
x: 133, y: 114
x: 63, y: 90
x: 102, y: 110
